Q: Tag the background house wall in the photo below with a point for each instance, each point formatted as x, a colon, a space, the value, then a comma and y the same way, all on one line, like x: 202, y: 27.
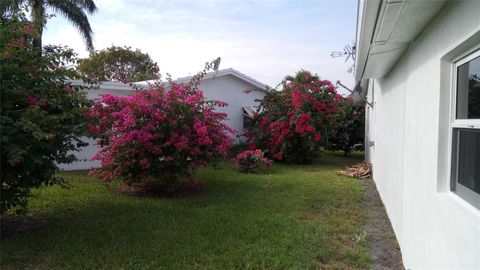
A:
x: 85, y: 154
x: 228, y: 88
x: 435, y: 228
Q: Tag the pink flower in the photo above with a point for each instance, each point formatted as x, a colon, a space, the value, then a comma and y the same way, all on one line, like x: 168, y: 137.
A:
x: 251, y: 160
x: 69, y: 88
x: 182, y: 143
x: 32, y: 100
x: 278, y: 156
x: 319, y: 106
x: 303, y: 124
x: 29, y: 29
x: 145, y: 163
x: 160, y: 132
x: 220, y: 103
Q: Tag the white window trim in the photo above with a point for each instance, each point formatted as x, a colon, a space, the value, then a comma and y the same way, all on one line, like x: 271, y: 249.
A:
x: 467, y: 195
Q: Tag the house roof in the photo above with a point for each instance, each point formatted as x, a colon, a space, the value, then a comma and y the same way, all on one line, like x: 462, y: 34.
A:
x: 230, y: 71
x: 108, y: 85
x: 119, y: 86
x: 385, y: 29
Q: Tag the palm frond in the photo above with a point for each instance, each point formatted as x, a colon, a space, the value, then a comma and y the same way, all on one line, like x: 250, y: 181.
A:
x: 76, y: 16
x: 8, y: 7
x: 88, y: 5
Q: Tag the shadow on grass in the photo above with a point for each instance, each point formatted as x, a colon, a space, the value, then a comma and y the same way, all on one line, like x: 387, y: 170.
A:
x: 117, y: 231
x: 283, y: 218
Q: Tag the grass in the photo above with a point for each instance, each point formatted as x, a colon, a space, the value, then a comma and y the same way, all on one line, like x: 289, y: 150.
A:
x: 291, y: 217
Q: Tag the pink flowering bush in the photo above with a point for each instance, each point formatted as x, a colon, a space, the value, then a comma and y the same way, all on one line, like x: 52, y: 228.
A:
x: 293, y: 123
x: 158, y: 135
x: 251, y: 160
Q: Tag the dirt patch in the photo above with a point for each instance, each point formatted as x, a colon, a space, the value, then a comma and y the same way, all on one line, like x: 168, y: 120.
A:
x: 382, y: 244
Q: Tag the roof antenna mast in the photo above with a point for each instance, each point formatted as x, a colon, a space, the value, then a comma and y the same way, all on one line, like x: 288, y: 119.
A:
x: 216, y: 64
x: 349, y: 52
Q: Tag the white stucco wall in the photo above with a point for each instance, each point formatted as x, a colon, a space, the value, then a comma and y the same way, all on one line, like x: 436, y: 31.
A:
x: 409, y: 125
x: 226, y: 88
x: 85, y: 154
x: 230, y: 89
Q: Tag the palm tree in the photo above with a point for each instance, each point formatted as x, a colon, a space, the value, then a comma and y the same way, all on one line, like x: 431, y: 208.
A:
x: 72, y: 10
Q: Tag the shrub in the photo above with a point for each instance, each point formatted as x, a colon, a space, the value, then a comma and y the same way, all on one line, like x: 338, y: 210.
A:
x: 237, y: 149
x: 293, y: 123
x: 251, y: 160
x: 42, y: 116
x: 160, y: 134
x: 350, y: 128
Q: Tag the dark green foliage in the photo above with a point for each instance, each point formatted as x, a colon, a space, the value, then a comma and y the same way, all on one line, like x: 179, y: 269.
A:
x: 350, y: 128
x: 119, y: 63
x: 41, y: 115
x: 474, y: 96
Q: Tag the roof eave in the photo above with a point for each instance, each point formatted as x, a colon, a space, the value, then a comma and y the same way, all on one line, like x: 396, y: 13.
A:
x: 366, y: 18
x: 385, y: 30
x: 230, y: 71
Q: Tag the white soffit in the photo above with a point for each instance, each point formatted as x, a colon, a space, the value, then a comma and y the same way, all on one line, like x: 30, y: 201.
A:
x: 398, y: 23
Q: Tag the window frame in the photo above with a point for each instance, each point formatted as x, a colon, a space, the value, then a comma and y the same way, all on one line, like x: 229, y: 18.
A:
x: 457, y: 188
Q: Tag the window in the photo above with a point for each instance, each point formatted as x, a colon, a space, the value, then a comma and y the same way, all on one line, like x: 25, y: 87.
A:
x: 465, y: 161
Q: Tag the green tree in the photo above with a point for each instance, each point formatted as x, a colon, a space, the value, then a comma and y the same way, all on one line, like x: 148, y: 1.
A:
x: 72, y: 10
x: 349, y: 132
x: 41, y: 113
x: 119, y: 63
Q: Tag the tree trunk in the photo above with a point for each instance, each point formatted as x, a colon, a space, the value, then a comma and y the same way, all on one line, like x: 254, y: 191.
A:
x: 38, y: 13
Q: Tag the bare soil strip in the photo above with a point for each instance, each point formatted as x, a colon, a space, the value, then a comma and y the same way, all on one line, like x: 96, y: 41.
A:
x: 382, y: 244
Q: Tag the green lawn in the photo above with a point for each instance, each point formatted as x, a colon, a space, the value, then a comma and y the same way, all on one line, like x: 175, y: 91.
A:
x: 291, y: 217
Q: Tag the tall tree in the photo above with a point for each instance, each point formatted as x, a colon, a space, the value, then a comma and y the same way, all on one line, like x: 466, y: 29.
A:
x: 119, y: 63
x: 72, y: 10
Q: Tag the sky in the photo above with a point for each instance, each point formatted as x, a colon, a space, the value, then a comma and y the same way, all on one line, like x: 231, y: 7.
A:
x: 264, y: 39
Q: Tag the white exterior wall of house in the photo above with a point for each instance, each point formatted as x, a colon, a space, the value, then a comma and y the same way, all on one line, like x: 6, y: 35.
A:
x: 227, y: 86
x: 85, y: 154
x: 409, y: 126
x: 230, y: 89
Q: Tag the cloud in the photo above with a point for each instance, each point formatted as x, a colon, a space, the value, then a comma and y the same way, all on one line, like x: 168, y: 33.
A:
x: 266, y: 40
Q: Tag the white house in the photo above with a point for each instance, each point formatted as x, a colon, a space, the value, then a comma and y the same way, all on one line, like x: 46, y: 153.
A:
x: 227, y: 85
x: 420, y: 63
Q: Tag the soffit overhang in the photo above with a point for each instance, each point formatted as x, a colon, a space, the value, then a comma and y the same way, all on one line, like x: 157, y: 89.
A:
x: 385, y: 30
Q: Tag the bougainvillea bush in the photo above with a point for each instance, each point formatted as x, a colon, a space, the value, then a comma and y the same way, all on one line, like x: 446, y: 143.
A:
x: 41, y: 114
x: 251, y: 161
x: 291, y: 124
x: 350, y: 128
x: 159, y: 135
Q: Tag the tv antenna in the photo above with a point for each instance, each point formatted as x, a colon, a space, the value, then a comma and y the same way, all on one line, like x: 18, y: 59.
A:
x: 216, y: 65
x: 348, y: 51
